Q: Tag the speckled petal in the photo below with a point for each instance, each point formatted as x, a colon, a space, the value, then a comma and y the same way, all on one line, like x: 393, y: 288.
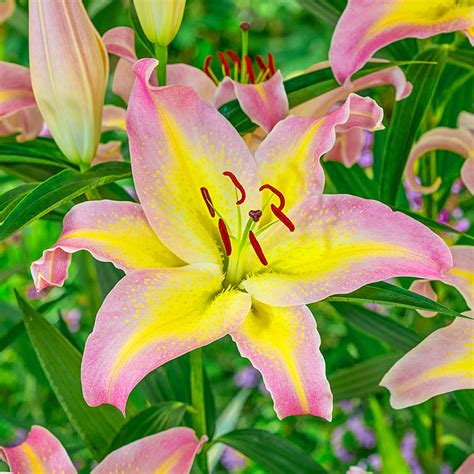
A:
x: 341, y: 243
x: 41, y: 452
x: 283, y: 344
x: 424, y: 288
x: 112, y: 231
x: 179, y: 144
x: 367, y: 26
x: 151, y: 317
x: 168, y: 452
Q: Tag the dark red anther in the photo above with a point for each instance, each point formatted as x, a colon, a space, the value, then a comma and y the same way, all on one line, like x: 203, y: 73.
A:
x: 237, y: 184
x: 207, y: 66
x: 234, y: 57
x: 271, y: 64
x: 207, y: 199
x: 258, y: 249
x: 224, y: 62
x: 225, y: 237
x: 248, y: 63
x: 261, y: 63
x: 282, y: 218
x: 276, y: 193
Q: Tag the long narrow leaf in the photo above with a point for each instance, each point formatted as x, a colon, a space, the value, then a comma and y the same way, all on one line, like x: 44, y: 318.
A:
x: 61, y: 363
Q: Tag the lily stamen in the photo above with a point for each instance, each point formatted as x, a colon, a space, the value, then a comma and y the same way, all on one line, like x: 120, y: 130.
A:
x: 249, y: 68
x: 225, y: 237
x: 276, y: 192
x: 258, y: 249
x: 238, y: 185
x: 225, y: 64
x: 282, y: 218
x: 207, y: 199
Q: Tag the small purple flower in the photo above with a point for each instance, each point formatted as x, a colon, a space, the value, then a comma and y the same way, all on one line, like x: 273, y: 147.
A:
x: 364, y: 435
x: 375, y: 461
x: 248, y: 377
x: 233, y: 460
x: 340, y: 451
x: 72, y: 318
x: 366, y: 159
x: 457, y: 213
x: 457, y: 187
x: 445, y: 469
x: 443, y: 217
x: 32, y: 294
x: 415, y: 198
x: 462, y: 225
x: 347, y: 406
x: 407, y: 447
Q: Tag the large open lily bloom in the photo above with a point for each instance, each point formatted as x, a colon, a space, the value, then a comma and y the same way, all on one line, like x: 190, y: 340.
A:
x: 444, y: 361
x: 458, y: 140
x: 171, y: 451
x: 225, y: 243
x: 367, y: 26
x: 69, y: 73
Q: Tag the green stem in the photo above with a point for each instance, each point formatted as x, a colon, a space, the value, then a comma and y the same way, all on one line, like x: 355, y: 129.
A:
x: 197, y: 400
x: 438, y: 428
x: 161, y: 53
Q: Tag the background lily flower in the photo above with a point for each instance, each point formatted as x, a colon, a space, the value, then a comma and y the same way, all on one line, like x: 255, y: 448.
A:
x: 7, y: 8
x: 160, y: 19
x: 367, y: 26
x: 458, y: 140
x: 262, y: 96
x: 426, y: 371
x: 169, y: 451
x: 229, y: 244
x: 63, y: 40
x: 18, y: 110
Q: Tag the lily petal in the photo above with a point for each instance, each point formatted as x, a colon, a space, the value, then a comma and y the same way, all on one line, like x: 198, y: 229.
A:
x: 176, y: 137
x: 459, y: 141
x: 467, y: 466
x: 120, y: 41
x: 367, y: 26
x: 186, y: 75
x: 341, y: 243
x: 27, y: 123
x: 467, y: 174
x: 461, y: 275
x: 424, y: 288
x: 348, y: 147
x: 63, y: 40
x: 168, y: 452
x: 289, y: 157
x: 112, y: 231
x: 320, y: 105
x: 426, y: 371
x: 110, y: 151
x: 16, y: 92
x: 40, y: 452
x: 265, y: 103
x: 113, y: 118
x: 151, y: 317
x: 283, y: 343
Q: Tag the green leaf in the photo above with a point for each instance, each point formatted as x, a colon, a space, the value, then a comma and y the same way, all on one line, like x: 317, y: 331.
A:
x: 299, y: 89
x: 350, y: 180
x: 61, y: 363
x: 148, y: 422
x: 10, y: 199
x: 465, y: 399
x: 379, y: 327
x: 385, y: 293
x: 387, y: 445
x: 11, y: 335
x: 276, y: 455
x: 407, y: 116
x: 363, y: 378
x: 60, y: 189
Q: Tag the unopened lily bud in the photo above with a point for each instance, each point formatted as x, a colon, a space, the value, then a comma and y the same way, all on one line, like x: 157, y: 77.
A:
x: 160, y: 19
x: 69, y: 73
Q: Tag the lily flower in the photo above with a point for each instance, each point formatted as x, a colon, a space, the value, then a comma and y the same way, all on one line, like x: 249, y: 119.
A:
x: 171, y: 451
x: 7, y: 8
x: 225, y: 243
x: 458, y: 140
x: 426, y: 371
x: 71, y: 97
x: 367, y: 26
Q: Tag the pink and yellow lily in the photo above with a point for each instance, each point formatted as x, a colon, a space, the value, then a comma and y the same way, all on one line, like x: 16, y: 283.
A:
x: 458, y: 140
x: 227, y: 243
x: 171, y: 452
x: 367, y: 26
x: 444, y: 361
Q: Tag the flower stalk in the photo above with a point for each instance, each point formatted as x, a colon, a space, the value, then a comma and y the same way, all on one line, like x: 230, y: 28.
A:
x: 161, y: 53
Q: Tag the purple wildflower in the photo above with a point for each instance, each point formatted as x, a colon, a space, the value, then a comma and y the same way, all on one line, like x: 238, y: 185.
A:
x: 443, y: 217
x: 364, y: 435
x: 233, y: 460
x: 340, y: 451
x: 248, y: 377
x: 72, y: 318
x: 347, y: 406
x: 407, y: 446
x: 462, y: 225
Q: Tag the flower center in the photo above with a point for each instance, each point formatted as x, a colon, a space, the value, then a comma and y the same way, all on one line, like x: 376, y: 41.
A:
x: 236, y: 245
x: 241, y: 68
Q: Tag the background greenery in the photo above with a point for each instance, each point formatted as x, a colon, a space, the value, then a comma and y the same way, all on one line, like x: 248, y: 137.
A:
x: 432, y: 437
